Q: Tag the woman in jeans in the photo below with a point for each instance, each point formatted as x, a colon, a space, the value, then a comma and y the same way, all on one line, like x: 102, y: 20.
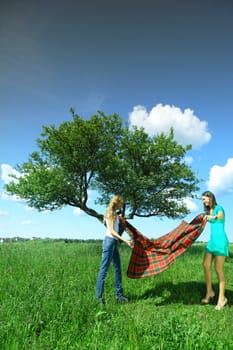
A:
x: 110, y: 251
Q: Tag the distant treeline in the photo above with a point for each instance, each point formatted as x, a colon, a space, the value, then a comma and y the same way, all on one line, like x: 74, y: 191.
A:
x: 66, y: 240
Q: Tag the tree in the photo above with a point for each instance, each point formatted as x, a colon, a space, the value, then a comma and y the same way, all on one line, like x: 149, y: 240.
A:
x: 102, y: 154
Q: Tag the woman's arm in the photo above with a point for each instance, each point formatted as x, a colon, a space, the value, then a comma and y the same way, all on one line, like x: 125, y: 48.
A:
x: 115, y: 234
x: 219, y: 215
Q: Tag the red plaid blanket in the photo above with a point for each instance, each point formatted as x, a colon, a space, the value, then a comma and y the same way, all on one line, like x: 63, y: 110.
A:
x: 151, y: 257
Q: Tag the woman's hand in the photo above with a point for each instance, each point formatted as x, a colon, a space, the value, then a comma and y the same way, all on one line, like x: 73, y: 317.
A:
x: 130, y: 243
x: 210, y: 217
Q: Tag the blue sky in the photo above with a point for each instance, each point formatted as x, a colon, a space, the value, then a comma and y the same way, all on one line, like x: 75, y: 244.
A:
x: 156, y: 63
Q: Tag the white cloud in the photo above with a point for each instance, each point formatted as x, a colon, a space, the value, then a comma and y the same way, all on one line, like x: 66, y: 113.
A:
x: 3, y: 213
x: 78, y: 211
x: 221, y: 178
x: 188, y: 160
x: 27, y: 208
x: 188, y: 129
x: 12, y: 198
x: 27, y: 222
x: 193, y: 207
x: 7, y: 170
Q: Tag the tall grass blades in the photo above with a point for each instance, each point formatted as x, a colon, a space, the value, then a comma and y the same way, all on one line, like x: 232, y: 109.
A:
x: 47, y: 302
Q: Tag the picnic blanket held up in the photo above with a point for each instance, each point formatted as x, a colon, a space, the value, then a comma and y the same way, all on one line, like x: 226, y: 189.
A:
x: 152, y: 256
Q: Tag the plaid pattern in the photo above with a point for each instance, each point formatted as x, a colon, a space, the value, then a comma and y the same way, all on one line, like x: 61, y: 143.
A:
x: 151, y: 257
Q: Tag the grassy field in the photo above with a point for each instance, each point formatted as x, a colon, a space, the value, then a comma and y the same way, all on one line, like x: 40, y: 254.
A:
x: 47, y: 302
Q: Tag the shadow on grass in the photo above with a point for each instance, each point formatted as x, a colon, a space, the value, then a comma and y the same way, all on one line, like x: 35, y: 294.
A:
x: 188, y: 293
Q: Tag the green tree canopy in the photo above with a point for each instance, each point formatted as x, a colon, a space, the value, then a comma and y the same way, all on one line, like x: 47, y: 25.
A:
x: 103, y: 154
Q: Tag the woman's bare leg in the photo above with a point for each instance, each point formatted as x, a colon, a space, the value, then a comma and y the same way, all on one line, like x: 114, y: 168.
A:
x: 208, y: 277
x: 219, y: 265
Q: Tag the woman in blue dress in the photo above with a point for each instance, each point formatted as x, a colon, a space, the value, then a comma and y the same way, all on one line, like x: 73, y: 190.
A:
x: 216, y: 249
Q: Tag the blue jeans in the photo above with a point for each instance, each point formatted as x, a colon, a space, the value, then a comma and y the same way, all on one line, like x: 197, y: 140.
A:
x: 110, y: 254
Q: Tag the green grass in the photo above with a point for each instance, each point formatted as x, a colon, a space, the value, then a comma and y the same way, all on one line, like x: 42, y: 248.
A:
x: 47, y: 302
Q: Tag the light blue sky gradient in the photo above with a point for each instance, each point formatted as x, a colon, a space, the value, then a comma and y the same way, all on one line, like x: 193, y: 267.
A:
x: 156, y: 63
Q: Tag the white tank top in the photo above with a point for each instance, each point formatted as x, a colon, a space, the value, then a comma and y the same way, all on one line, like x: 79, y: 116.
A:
x: 116, y: 228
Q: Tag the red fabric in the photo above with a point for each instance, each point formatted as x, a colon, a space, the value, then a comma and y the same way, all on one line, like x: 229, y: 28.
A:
x: 151, y: 257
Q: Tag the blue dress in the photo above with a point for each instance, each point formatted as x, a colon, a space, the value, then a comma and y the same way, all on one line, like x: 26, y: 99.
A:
x: 218, y: 243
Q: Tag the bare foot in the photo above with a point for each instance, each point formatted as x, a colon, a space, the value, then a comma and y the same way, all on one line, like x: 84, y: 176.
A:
x: 221, y: 304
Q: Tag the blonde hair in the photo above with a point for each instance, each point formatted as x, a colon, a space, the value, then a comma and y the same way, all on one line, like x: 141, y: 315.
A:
x: 112, y: 207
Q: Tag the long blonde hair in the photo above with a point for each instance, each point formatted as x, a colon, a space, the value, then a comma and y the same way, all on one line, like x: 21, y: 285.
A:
x: 112, y: 207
